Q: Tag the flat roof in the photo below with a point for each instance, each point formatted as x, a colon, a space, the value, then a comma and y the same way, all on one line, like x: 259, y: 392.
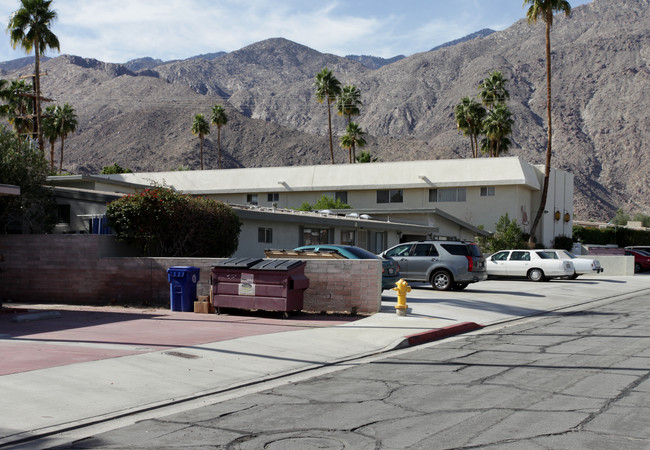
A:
x: 328, y: 177
x: 9, y: 189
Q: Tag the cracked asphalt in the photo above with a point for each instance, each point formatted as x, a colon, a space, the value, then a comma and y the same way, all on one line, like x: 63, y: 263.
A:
x: 564, y: 380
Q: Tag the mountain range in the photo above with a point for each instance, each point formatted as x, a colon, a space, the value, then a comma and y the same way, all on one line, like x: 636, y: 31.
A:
x: 139, y: 114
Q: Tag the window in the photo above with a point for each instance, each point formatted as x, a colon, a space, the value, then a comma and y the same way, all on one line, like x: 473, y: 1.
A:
x: 447, y: 195
x: 251, y: 199
x: 400, y: 250
x: 347, y: 237
x: 265, y: 235
x: 313, y: 236
x: 63, y: 214
x: 487, y: 191
x: 341, y: 196
x: 390, y: 196
x: 274, y: 197
x: 425, y: 250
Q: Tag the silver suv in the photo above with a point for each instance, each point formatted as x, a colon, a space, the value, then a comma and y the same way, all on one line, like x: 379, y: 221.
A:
x: 445, y: 264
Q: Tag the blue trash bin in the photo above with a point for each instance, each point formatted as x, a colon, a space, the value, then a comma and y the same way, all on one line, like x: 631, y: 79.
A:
x: 182, y: 287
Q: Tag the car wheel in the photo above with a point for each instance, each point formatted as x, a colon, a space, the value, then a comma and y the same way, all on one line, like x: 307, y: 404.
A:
x: 441, y: 280
x: 536, y: 275
x: 637, y: 268
x: 574, y: 276
x: 460, y: 286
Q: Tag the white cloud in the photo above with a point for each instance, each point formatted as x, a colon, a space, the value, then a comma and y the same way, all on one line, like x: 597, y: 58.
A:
x: 119, y: 30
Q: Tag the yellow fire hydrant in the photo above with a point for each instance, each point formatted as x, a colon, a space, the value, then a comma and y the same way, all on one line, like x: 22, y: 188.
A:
x: 402, y: 287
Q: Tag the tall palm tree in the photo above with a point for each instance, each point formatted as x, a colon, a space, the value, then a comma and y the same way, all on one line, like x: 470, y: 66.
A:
x: 50, y: 131
x: 493, y: 89
x: 65, y: 122
x: 352, y: 138
x: 348, y: 103
x: 29, y: 27
x: 469, y: 116
x: 544, y: 10
x: 328, y: 88
x: 496, y: 126
x: 200, y: 128
x: 219, y: 118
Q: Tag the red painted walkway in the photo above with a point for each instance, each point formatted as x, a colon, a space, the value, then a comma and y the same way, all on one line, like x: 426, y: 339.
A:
x: 93, y: 333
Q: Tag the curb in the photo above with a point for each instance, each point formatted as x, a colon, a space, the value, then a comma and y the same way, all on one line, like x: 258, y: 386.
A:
x: 441, y: 333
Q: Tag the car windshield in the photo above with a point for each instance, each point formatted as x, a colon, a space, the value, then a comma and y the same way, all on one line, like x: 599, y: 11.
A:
x: 361, y: 253
x: 642, y: 252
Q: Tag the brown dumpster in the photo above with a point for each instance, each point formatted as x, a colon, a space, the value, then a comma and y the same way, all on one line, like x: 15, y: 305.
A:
x: 259, y: 284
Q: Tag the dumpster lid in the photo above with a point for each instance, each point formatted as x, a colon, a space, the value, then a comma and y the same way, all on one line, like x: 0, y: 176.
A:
x: 278, y: 264
x: 238, y: 263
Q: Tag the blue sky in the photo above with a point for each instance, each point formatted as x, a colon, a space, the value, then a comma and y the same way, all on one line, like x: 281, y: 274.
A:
x: 121, y: 30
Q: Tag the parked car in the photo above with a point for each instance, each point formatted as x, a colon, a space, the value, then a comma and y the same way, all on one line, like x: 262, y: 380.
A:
x: 581, y: 265
x: 537, y: 265
x: 390, y: 273
x: 641, y: 259
x: 445, y: 264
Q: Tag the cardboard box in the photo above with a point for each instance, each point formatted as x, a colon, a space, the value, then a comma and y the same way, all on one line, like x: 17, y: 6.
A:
x: 203, y: 305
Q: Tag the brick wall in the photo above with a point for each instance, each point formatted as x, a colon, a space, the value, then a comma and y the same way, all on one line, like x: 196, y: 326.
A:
x: 78, y: 269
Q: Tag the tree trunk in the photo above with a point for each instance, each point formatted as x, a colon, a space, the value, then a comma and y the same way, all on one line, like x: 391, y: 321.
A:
x: 37, y: 93
x: 329, y: 121
x: 201, y: 140
x: 219, y: 146
x: 61, y: 162
x: 547, y: 171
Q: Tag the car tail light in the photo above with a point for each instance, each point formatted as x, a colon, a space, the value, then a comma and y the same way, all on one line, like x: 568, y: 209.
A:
x: 470, y: 263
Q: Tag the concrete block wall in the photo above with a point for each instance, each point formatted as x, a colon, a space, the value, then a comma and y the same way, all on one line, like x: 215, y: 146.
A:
x: 75, y: 269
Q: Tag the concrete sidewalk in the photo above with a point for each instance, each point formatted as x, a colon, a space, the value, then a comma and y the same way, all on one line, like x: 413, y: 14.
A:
x: 143, y: 375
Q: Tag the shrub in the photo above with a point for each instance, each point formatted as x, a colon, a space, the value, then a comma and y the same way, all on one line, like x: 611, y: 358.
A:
x: 508, y: 235
x: 114, y: 169
x: 34, y: 210
x: 162, y: 222
x: 563, y: 242
x: 325, y: 202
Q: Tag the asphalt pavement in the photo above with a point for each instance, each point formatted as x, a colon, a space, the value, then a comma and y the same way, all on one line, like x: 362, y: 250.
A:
x: 135, y: 378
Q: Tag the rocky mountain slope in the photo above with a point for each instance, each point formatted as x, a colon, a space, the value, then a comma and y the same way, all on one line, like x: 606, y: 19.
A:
x: 141, y: 119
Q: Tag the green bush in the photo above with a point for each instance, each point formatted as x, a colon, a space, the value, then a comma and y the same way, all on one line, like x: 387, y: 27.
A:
x: 115, y: 169
x: 622, y: 237
x: 563, y: 242
x: 325, y: 202
x: 34, y: 210
x: 508, y: 235
x: 162, y: 222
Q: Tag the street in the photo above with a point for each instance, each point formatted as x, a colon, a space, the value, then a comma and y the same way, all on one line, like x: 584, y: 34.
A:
x: 569, y: 379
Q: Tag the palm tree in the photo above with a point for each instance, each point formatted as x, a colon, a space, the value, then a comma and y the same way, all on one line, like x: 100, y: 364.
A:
x: 327, y: 89
x: 496, y: 126
x: 49, y: 130
x: 544, y: 9
x: 469, y: 116
x: 353, y: 137
x: 366, y: 157
x: 200, y: 128
x: 348, y: 102
x: 19, y: 108
x: 29, y: 27
x: 65, y: 122
x: 219, y: 118
x: 493, y: 89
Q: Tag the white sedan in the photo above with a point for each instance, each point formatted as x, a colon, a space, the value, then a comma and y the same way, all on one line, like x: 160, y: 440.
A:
x: 537, y: 265
x: 581, y: 265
